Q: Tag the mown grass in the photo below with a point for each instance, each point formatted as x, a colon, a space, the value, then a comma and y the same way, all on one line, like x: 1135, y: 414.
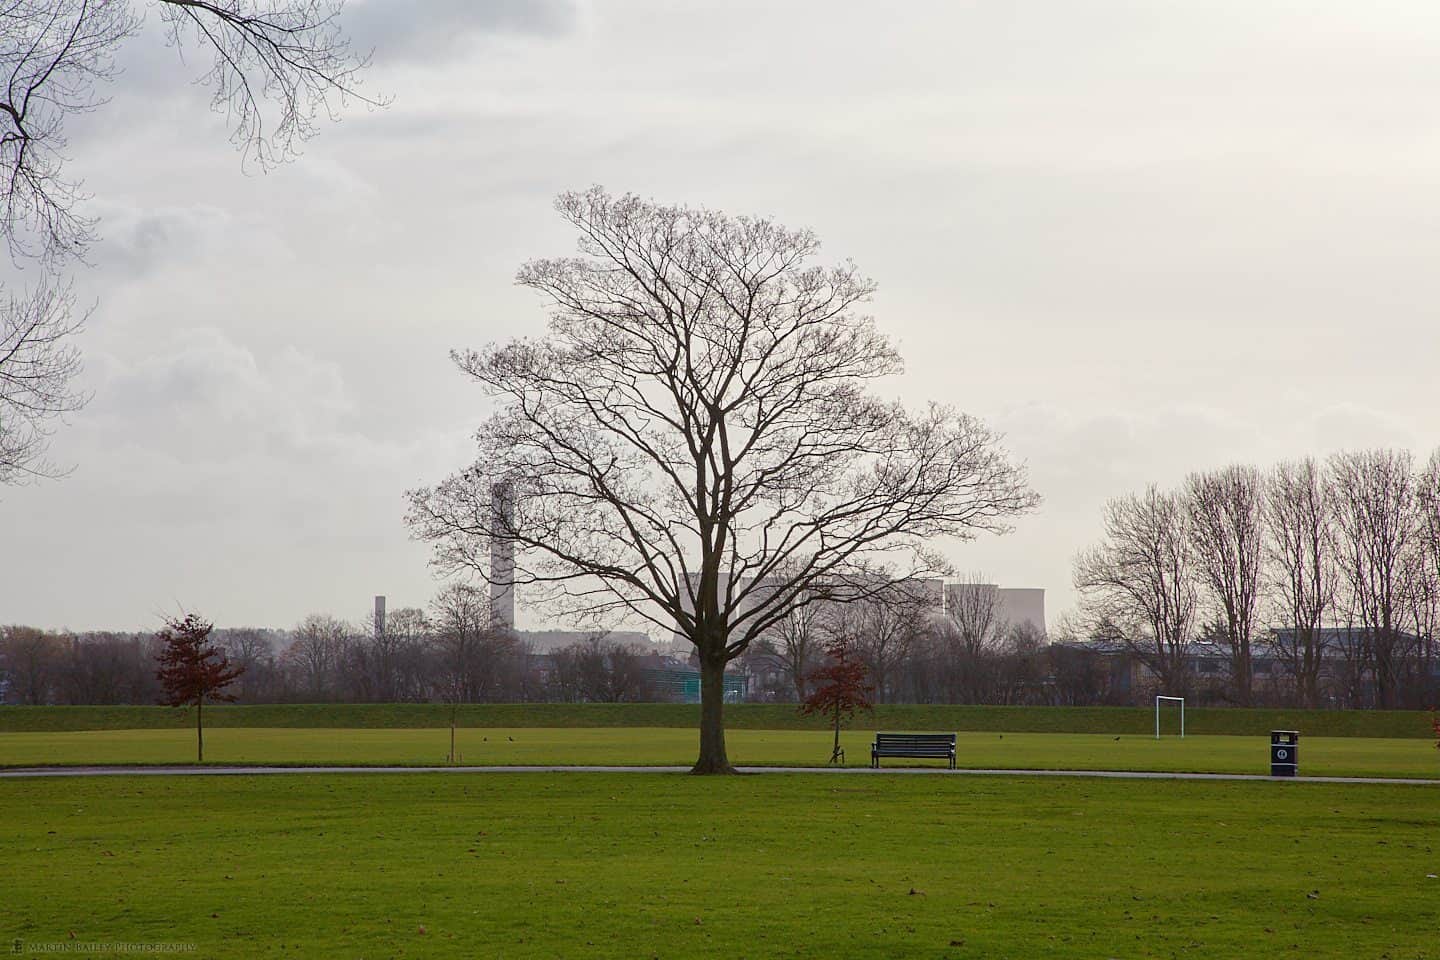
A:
x: 655, y: 865
x: 1327, y: 756
x: 746, y: 716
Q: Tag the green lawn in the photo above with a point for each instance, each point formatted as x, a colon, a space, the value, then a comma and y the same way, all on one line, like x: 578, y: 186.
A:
x: 750, y: 716
x: 1331, y: 756
x: 656, y: 865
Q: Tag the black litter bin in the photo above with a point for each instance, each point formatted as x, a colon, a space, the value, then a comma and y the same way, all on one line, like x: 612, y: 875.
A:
x: 1284, y: 753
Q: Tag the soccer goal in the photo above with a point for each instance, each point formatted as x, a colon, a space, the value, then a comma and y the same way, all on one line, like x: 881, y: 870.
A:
x: 1179, y: 700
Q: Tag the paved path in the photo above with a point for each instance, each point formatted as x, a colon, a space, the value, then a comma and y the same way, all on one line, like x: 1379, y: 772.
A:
x: 216, y: 771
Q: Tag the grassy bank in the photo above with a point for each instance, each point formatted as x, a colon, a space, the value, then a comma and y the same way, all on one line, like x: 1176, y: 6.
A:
x: 653, y: 746
x: 748, y: 716
x: 672, y: 866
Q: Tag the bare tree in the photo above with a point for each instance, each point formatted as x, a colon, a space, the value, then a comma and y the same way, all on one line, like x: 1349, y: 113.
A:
x: 38, y: 363
x: 476, y: 659
x: 275, y: 66
x: 1428, y: 485
x: 461, y: 618
x: 462, y: 623
x: 53, y: 54
x: 600, y: 670
x: 697, y: 417
x: 882, y: 629
x: 1138, y: 585
x: 973, y: 609
x: 30, y: 660
x: 1081, y: 676
x: 315, y: 654
x: 1420, y: 676
x: 1379, y: 535
x: 384, y: 662
x: 109, y: 667
x: 252, y: 651
x: 1022, y: 669
x: 1226, y: 528
x: 974, y: 630
x: 798, y: 640
x: 1302, y: 574
x: 1429, y: 504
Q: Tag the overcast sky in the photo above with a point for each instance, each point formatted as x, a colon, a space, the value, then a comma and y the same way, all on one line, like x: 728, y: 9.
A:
x: 1141, y: 238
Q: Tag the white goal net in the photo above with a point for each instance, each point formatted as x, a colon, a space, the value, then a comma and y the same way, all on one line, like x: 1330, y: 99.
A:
x: 1158, y: 702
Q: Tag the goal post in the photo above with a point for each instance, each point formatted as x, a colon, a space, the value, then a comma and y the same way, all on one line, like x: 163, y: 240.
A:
x: 1179, y: 700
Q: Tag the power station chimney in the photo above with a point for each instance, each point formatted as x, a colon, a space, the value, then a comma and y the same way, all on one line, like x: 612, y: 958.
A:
x: 379, y: 617
x: 502, y: 555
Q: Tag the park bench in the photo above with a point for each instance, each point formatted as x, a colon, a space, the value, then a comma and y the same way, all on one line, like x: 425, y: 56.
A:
x: 923, y: 746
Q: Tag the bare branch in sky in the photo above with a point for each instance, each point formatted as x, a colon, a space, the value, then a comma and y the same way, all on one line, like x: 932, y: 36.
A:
x: 38, y: 365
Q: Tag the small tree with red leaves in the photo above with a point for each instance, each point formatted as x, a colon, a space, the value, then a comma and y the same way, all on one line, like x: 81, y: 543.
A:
x: 193, y: 670
x: 838, y: 689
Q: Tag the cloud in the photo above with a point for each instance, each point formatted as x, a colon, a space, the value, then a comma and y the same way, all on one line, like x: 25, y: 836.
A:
x: 136, y: 239
x: 206, y: 398
x: 1141, y: 239
x: 403, y: 30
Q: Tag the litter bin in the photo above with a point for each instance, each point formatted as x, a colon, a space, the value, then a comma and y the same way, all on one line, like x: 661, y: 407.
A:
x: 1284, y: 752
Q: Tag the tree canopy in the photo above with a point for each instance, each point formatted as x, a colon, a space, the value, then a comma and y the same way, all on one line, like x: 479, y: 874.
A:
x: 697, y: 441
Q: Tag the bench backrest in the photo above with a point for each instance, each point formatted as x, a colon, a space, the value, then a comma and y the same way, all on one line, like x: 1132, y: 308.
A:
x: 915, y: 742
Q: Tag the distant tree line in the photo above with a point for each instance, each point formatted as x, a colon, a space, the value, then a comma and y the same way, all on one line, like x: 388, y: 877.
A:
x: 1312, y: 584
x: 916, y: 648
x: 452, y: 653
x: 1315, y: 583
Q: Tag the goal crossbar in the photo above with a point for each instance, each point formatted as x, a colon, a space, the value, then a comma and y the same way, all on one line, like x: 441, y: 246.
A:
x: 1179, y: 700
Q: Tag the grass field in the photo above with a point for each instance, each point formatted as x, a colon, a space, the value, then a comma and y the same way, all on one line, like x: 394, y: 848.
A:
x: 656, y: 865
x: 1400, y: 724
x: 1329, y: 756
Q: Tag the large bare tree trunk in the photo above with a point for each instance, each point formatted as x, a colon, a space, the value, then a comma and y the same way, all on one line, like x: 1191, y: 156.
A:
x: 713, y: 758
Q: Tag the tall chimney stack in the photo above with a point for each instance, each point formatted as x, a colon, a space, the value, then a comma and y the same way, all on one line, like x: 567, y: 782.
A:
x: 502, y: 555
x: 379, y: 617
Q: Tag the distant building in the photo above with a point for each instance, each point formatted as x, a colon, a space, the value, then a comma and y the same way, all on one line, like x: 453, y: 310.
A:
x: 1343, y: 671
x: 679, y: 681
x: 502, y: 556
x: 1014, y: 606
x: 767, y: 673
